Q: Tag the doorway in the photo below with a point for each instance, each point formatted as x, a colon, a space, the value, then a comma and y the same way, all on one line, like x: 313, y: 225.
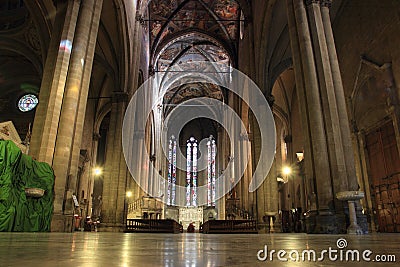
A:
x: 384, y: 173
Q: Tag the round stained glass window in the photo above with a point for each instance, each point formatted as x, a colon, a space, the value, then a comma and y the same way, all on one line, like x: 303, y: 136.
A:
x: 27, y: 102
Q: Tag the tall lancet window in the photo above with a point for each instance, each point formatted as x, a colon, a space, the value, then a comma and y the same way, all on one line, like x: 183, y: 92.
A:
x: 171, y: 172
x: 211, y: 149
x: 191, y: 172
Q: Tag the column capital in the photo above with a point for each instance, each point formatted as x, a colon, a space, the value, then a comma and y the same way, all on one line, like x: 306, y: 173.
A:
x: 310, y: 2
x: 326, y: 3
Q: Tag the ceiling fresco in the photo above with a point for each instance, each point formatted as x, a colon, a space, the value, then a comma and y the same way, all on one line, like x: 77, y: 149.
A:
x: 219, y: 18
x: 184, y: 35
x: 185, y: 52
x: 179, y: 94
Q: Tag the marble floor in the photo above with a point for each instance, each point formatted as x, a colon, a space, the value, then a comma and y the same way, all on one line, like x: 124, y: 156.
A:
x: 119, y: 249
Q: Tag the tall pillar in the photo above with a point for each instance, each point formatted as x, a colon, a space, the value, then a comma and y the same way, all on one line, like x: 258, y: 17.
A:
x: 245, y: 181
x: 328, y: 97
x: 92, y: 209
x: 221, y: 164
x: 329, y: 106
x: 348, y: 180
x: 340, y: 97
x: 331, y: 156
x: 249, y: 175
x: 47, y: 114
x: 61, y: 92
x: 115, y: 173
x: 87, y: 63
x: 362, y: 159
x: 319, y: 154
x: 272, y: 197
x: 301, y: 97
x: 321, y: 111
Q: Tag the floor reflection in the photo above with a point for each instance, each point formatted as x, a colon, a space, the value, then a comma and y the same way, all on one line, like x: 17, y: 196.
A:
x: 187, y: 249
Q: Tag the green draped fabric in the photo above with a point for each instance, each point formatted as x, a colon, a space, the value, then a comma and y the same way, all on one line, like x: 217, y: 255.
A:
x: 18, y: 212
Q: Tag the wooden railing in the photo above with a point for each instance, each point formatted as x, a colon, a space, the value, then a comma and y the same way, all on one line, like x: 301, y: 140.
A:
x: 152, y: 226
x: 229, y: 227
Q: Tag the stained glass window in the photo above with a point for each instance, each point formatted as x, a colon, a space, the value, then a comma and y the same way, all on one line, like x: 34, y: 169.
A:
x: 171, y: 172
x: 27, y: 102
x: 211, y: 175
x: 191, y: 172
x: 188, y: 171
x: 194, y: 175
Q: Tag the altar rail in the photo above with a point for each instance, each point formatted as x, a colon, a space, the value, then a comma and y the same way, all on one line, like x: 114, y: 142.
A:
x: 229, y: 227
x: 152, y: 226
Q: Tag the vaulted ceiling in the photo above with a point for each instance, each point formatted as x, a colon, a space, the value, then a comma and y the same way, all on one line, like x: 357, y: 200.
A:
x: 182, y: 33
x: 176, y: 32
x: 170, y: 19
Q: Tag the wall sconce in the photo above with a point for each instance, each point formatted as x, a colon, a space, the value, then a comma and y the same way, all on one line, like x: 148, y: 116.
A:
x: 280, y: 179
x: 299, y: 156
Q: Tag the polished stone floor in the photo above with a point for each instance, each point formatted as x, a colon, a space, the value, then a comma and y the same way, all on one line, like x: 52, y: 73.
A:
x: 118, y: 249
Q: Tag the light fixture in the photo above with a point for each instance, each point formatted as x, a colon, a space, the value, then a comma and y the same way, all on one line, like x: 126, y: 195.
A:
x: 286, y: 170
x: 129, y: 194
x: 98, y: 171
x: 280, y: 179
x: 299, y: 156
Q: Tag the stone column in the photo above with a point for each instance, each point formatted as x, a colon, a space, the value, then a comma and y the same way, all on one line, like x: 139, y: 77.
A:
x: 221, y: 165
x: 245, y: 181
x: 329, y: 105
x: 139, y: 139
x: 319, y: 152
x: 47, y: 114
x: 272, y: 197
x: 234, y: 156
x: 322, y: 117
x: 91, y: 176
x: 349, y: 181
x: 328, y: 97
x: 87, y: 63
x: 301, y: 98
x: 87, y: 26
x: 249, y: 175
x: 115, y: 174
x: 348, y: 154
x: 361, y: 159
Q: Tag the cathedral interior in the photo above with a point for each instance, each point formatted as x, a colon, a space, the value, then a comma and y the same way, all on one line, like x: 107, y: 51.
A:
x: 268, y: 117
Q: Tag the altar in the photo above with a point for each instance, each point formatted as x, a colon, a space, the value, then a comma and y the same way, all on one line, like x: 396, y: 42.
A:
x: 189, y: 215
